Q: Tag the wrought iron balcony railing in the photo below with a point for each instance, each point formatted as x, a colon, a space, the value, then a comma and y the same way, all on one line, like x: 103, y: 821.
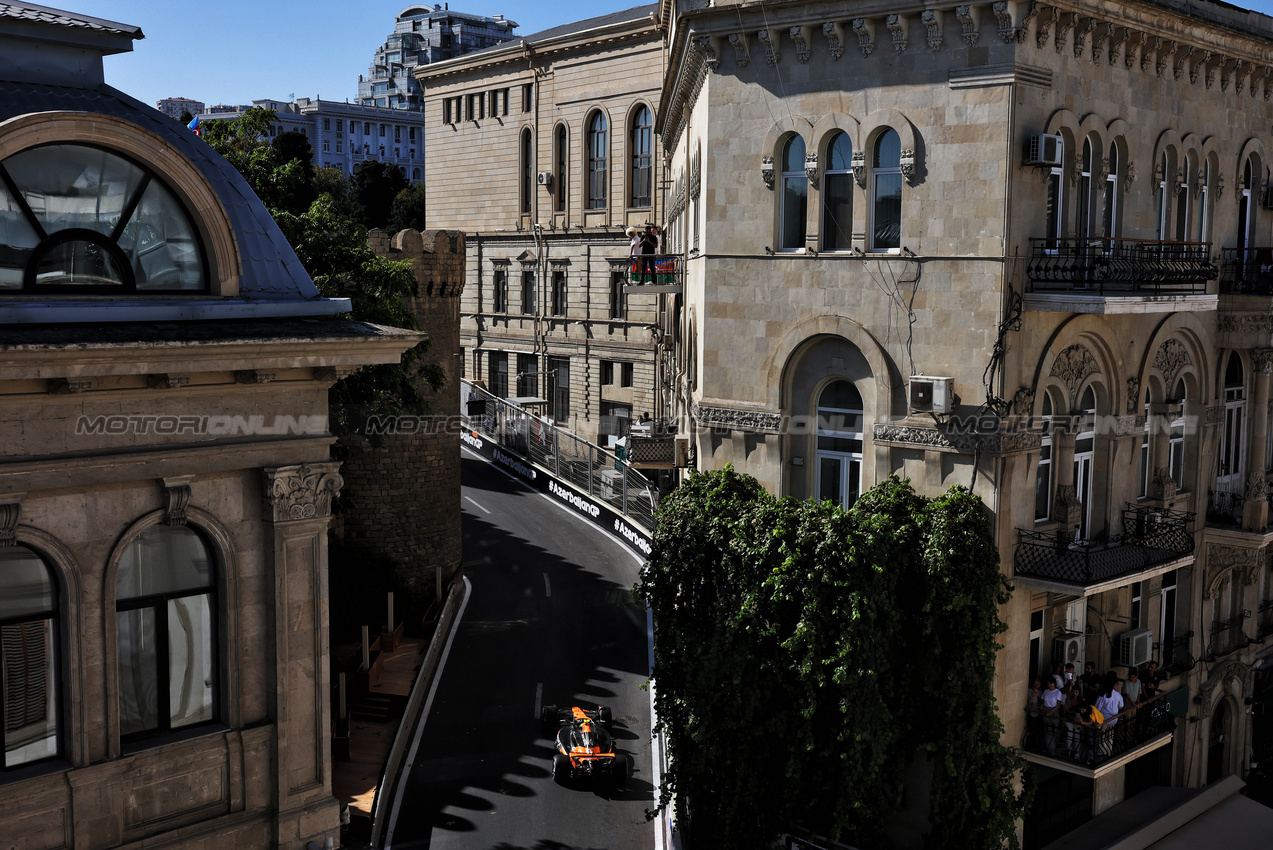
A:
x: 1176, y: 655
x: 1066, y: 737
x: 1225, y: 504
x: 656, y: 270
x: 1150, y: 537
x: 1264, y: 619
x: 1248, y: 271
x: 1120, y: 267
x: 1228, y: 635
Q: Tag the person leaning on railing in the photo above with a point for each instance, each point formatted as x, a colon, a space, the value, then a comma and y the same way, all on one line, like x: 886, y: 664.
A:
x: 1053, y: 706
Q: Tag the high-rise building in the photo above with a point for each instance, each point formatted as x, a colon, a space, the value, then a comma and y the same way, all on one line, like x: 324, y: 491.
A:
x: 424, y: 34
x: 173, y: 107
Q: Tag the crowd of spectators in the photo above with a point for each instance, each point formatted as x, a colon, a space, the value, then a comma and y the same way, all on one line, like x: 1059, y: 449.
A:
x: 1079, y: 717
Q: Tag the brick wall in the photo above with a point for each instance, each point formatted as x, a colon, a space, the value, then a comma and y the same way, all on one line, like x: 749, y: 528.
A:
x: 405, y: 493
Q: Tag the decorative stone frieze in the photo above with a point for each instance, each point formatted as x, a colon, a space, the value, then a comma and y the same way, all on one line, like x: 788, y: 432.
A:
x: 897, y: 27
x: 1262, y: 359
x: 1073, y: 365
x: 741, y: 55
x: 768, y: 39
x: 913, y: 436
x: 1213, y: 414
x: 1245, y: 323
x: 9, y: 513
x: 1081, y: 32
x: 834, y: 33
x: 301, y: 492
x: 1170, y: 360
x: 734, y: 419
x: 767, y: 170
x: 253, y: 376
x: 865, y: 30
x: 1043, y: 29
x: 931, y: 19
x: 1133, y: 395
x: 800, y: 38
x: 968, y: 24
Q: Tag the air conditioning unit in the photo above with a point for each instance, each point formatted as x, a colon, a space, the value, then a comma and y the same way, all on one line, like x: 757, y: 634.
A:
x: 1068, y: 649
x: 1044, y: 150
x: 931, y: 395
x: 544, y: 178
x: 1135, y: 647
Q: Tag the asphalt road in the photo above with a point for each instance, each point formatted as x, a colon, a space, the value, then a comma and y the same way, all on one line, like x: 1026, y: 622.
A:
x: 549, y: 613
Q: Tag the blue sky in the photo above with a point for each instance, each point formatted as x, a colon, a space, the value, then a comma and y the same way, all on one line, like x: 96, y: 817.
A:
x: 236, y: 51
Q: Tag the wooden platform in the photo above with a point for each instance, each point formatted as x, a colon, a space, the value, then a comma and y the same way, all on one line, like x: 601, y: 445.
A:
x: 354, y: 781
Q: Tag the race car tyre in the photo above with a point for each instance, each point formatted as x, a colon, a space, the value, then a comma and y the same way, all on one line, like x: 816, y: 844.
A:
x: 561, y: 767
x: 603, y: 714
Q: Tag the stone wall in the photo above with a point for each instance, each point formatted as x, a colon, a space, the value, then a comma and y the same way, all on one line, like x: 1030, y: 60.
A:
x: 405, y: 492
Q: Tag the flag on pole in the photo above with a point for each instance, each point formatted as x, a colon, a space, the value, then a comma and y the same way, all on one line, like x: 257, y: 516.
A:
x: 194, y: 126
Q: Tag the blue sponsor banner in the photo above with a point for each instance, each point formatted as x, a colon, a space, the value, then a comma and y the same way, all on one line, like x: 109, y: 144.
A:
x: 597, y: 511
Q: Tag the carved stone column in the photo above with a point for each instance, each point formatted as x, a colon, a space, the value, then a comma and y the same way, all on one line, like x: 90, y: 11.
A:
x: 297, y: 507
x: 1255, y: 510
x: 1161, y: 486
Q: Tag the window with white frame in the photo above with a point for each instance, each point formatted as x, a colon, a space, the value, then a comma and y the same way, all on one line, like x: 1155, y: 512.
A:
x: 1246, y: 211
x: 1176, y: 438
x: 839, y: 444
x: 886, y: 193
x: 1043, y: 476
x: 1233, y: 433
x: 641, y: 157
x: 1083, y: 205
x: 793, y: 198
x: 1183, y: 198
x: 1202, y: 231
x: 1164, y: 176
x: 1054, y: 203
x: 837, y: 195
x: 1085, y: 460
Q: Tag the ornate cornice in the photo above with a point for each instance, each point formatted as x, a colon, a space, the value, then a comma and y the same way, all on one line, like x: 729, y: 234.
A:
x: 921, y: 437
x: 1249, y: 323
x: 176, y: 499
x: 735, y: 419
x: 834, y: 33
x: 1073, y: 365
x: 301, y: 492
x: 1170, y: 360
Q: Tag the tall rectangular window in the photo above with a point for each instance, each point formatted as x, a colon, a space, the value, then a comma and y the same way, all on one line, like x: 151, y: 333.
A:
x: 528, y: 292
x: 559, y: 292
x: 618, y: 298
x: 559, y: 388
x: 527, y: 375
x: 498, y: 373
x: 616, y: 420
x: 528, y: 97
x: 499, y: 295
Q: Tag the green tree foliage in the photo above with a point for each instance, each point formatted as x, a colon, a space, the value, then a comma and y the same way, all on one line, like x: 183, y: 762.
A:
x: 333, y: 248
x: 803, y: 657
x: 186, y: 117
x: 373, y: 188
x: 407, y: 211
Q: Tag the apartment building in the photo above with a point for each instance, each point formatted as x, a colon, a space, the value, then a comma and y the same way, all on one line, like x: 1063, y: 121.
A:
x: 1023, y: 248
x: 175, y: 107
x: 166, y: 478
x: 543, y: 153
x: 346, y: 134
x: 423, y: 34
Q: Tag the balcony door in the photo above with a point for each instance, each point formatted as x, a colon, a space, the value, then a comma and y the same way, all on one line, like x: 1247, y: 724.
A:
x: 839, y: 436
x: 1233, y: 434
x: 1084, y: 454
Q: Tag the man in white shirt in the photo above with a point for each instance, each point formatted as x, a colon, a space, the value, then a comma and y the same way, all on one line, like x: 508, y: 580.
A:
x: 1052, y: 700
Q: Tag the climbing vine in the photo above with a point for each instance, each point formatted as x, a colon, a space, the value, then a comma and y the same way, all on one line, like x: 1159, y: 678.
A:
x: 807, y: 658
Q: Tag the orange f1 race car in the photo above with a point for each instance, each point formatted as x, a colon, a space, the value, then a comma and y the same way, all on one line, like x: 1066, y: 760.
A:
x: 584, y: 744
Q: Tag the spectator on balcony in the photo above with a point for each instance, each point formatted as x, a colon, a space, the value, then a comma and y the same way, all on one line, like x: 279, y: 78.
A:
x: 1075, y: 707
x: 1034, y: 712
x: 649, y: 247
x: 1053, y: 705
x: 1133, y: 690
x: 1091, y: 681
x: 1110, y: 702
x: 1058, y: 676
x: 1151, y: 681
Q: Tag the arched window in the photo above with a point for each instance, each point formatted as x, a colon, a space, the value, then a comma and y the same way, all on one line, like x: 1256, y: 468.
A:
x: 641, y: 157
x: 1162, y: 198
x: 837, y: 195
x: 1233, y: 432
x: 839, y: 444
x: 528, y: 173
x: 415, y: 174
x: 1204, y: 198
x: 29, y: 658
x: 166, y: 610
x: 1083, y: 208
x: 794, y: 198
x: 1182, y: 199
x: 597, y: 149
x: 1084, y: 458
x: 80, y: 219
x: 1055, y: 197
x: 1176, y: 438
x: 562, y: 147
x: 1043, y: 480
x: 886, y: 193
x: 1110, y: 217
x: 1246, y: 214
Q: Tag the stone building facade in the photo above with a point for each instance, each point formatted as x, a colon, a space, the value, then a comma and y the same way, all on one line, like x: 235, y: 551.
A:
x: 405, y: 480
x: 542, y: 152
x: 165, y: 474
x: 1019, y: 247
